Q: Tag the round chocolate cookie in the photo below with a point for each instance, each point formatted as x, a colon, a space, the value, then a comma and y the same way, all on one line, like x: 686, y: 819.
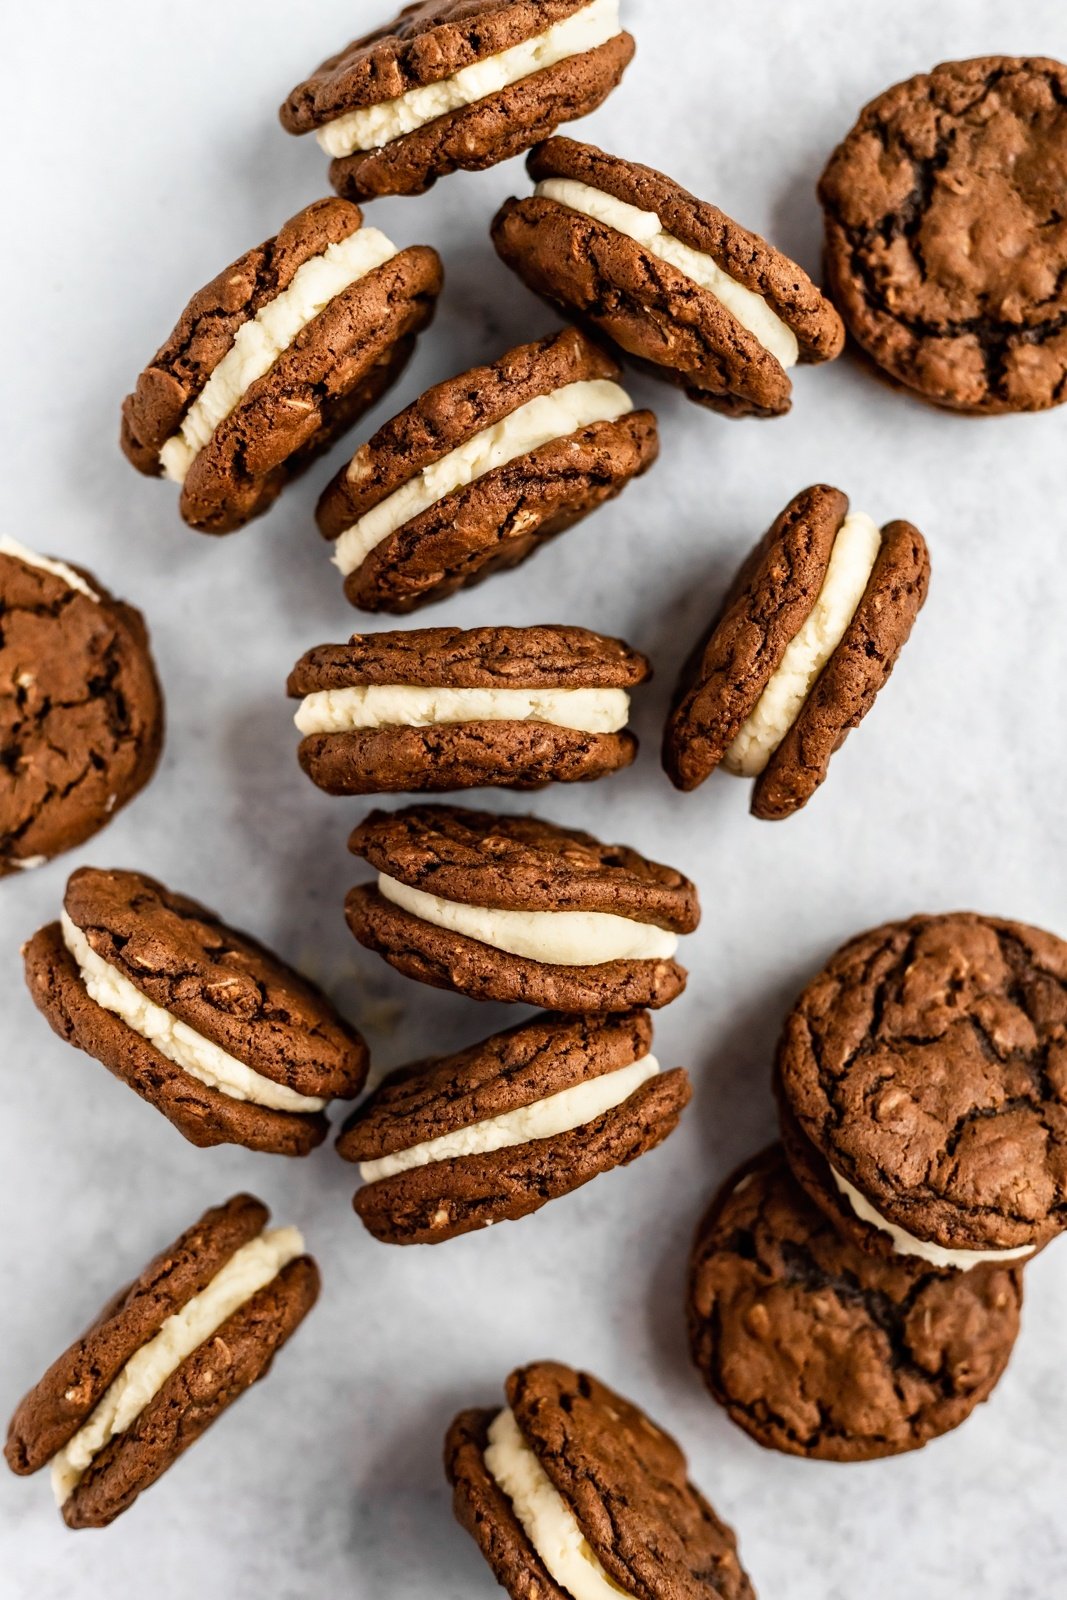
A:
x: 946, y: 239
x: 515, y: 908
x: 482, y: 470
x: 493, y: 1133
x: 670, y: 279
x: 571, y: 1489
x: 202, y: 1021
x: 924, y: 1092
x: 81, y: 711
x: 274, y: 359
x: 818, y: 1349
x: 445, y: 708
x: 454, y: 84
x: 162, y: 1360
x: 806, y: 637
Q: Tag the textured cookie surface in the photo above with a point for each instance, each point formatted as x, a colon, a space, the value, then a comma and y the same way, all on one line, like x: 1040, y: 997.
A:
x: 927, y: 1065
x: 946, y: 238
x: 81, y: 712
x: 820, y: 1350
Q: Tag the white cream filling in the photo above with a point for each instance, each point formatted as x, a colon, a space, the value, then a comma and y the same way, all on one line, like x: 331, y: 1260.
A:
x: 557, y: 1113
x: 905, y: 1244
x: 560, y: 938
x: 205, y: 1061
x: 750, y: 309
x: 546, y: 1518
x: 248, y: 1270
x: 370, y: 127
x: 58, y: 569
x: 851, y: 563
x: 258, y: 343
x: 540, y: 421
x: 410, y: 706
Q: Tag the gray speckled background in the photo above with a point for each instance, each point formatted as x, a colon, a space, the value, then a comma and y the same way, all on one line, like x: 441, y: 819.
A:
x: 142, y: 154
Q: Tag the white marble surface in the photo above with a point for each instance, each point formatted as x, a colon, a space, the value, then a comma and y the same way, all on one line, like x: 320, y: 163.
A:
x: 143, y: 153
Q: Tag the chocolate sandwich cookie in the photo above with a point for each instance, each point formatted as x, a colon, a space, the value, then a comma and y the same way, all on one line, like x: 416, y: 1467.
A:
x: 274, y: 359
x: 818, y: 1349
x: 81, y: 712
x: 163, y: 1359
x: 924, y: 1099
x: 481, y: 470
x: 202, y: 1021
x: 493, y: 1133
x: 515, y: 908
x: 946, y: 242
x: 671, y: 279
x: 573, y: 1493
x: 447, y: 708
x: 456, y: 84
x: 806, y: 637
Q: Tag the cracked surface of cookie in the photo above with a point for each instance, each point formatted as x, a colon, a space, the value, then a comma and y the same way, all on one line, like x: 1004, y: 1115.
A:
x: 946, y: 238
x: 927, y: 1065
x: 81, y: 710
x: 818, y: 1349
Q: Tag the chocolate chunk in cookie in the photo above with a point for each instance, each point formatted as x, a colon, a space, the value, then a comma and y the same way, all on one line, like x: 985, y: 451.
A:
x: 669, y: 278
x: 456, y: 84
x: 805, y: 639
x: 233, y: 1046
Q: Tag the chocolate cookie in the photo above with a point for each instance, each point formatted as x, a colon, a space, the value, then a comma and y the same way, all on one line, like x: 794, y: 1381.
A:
x: 805, y: 639
x: 572, y: 1490
x: 81, y: 711
x: 671, y: 279
x: 946, y: 240
x: 274, y: 359
x: 456, y: 84
x: 483, y: 469
x: 202, y: 1021
x: 447, y: 708
x: 163, y: 1359
x: 515, y: 908
x: 817, y: 1348
x: 493, y: 1133
x: 923, y: 1088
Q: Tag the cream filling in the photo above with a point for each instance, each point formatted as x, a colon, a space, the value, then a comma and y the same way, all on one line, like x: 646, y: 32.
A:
x: 408, y: 706
x: 557, y: 1113
x: 259, y: 342
x: 205, y: 1061
x: 560, y: 938
x: 250, y: 1269
x: 539, y: 422
x: 851, y: 563
x: 370, y: 127
x: 547, y: 1520
x: 750, y: 309
x: 905, y: 1244
x: 58, y: 569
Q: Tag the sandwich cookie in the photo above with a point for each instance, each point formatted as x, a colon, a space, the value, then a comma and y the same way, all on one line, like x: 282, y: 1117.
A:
x: 203, y: 1022
x: 573, y: 1493
x: 456, y: 84
x: 274, y: 359
x: 818, y: 1349
x: 481, y: 470
x: 163, y: 1359
x: 924, y: 1099
x: 81, y: 711
x: 669, y: 278
x: 515, y: 908
x: 447, y: 708
x: 804, y: 641
x: 946, y: 242
x: 493, y: 1133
